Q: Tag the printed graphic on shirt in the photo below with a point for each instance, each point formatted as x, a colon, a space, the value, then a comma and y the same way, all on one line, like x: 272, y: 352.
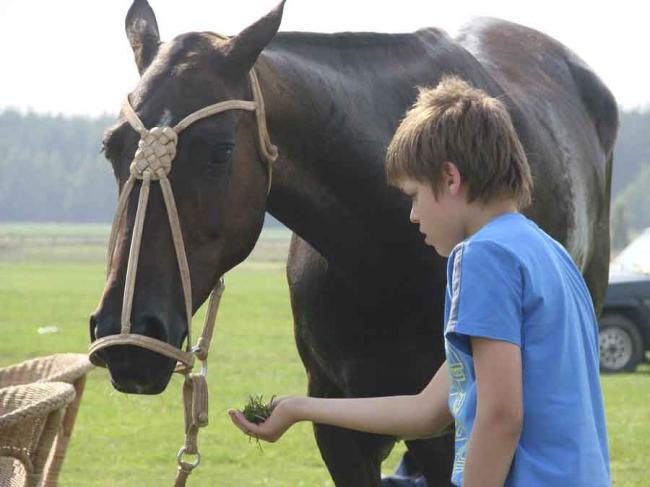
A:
x: 457, y: 384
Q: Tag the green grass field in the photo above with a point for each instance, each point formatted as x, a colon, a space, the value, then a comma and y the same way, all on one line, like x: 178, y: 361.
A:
x: 122, y: 440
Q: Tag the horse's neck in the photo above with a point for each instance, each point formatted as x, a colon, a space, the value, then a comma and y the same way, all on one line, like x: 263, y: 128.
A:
x: 311, y: 193
x: 329, y: 185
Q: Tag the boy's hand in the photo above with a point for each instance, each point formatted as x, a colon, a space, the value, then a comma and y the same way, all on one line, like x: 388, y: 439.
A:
x: 274, y: 427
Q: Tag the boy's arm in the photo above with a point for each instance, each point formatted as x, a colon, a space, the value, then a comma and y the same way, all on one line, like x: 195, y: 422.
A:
x: 499, y: 412
x: 418, y: 416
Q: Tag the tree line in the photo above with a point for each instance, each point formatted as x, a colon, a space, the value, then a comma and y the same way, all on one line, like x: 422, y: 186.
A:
x: 51, y: 169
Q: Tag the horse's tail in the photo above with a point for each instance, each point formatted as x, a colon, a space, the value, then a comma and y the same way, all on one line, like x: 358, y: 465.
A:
x: 600, y: 104
x: 598, y: 101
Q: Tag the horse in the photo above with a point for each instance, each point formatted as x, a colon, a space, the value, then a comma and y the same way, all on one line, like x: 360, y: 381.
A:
x: 366, y: 292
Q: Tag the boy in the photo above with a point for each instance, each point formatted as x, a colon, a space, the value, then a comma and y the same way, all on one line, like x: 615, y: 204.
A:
x: 520, y: 380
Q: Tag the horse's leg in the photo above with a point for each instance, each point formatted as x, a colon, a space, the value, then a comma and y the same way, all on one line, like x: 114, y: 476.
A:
x: 341, y: 361
x: 352, y: 458
x: 435, y: 457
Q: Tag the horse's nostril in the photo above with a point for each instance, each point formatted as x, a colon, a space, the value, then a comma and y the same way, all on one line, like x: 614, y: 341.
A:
x: 93, y: 327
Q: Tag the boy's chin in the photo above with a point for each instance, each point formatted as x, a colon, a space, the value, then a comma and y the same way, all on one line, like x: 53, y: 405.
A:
x: 443, y: 253
x: 441, y: 250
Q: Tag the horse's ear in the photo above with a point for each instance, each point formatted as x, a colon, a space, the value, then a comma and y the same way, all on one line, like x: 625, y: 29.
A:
x: 243, y: 49
x: 142, y: 31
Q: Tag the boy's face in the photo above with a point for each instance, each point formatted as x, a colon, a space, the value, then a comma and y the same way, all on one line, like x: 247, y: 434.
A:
x: 440, y: 219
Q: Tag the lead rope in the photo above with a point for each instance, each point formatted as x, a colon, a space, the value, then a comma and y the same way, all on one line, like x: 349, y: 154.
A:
x: 195, y: 394
x: 152, y: 162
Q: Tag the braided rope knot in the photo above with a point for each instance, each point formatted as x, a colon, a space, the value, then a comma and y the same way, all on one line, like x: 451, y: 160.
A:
x: 156, y: 151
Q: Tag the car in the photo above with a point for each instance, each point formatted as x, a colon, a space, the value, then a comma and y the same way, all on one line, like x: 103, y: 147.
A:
x: 624, y: 325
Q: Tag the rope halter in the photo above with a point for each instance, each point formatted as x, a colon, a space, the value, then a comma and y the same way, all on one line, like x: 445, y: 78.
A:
x: 156, y: 151
x: 153, y: 162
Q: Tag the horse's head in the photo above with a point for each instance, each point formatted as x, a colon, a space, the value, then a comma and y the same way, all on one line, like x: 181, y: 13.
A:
x: 219, y: 181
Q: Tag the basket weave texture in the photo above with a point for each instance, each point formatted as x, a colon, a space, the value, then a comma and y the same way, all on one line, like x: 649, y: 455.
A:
x: 61, y: 367
x: 30, y: 418
x: 21, y: 469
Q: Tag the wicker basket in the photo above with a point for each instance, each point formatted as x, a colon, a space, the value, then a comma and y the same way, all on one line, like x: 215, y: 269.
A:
x: 62, y: 367
x: 66, y: 367
x: 30, y: 418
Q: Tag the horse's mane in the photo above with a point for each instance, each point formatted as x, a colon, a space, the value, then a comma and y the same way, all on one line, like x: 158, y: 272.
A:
x: 355, y: 39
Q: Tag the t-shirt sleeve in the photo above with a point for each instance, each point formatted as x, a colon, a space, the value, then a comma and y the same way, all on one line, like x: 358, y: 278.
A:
x: 486, y: 295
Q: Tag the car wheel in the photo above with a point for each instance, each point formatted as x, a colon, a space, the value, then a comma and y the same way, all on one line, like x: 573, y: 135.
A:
x: 621, y: 345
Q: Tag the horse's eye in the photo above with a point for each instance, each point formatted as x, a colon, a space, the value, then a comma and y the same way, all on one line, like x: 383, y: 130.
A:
x: 221, y: 153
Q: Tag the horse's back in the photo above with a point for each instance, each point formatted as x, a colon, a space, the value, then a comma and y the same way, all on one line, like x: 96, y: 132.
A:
x: 521, y: 58
x: 564, y: 115
x: 568, y: 120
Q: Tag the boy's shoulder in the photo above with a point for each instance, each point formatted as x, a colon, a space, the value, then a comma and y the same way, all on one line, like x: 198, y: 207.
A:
x: 507, y: 229
x: 508, y: 235
x: 510, y: 243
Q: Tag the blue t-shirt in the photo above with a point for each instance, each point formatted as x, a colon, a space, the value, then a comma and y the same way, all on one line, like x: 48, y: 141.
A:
x: 511, y: 281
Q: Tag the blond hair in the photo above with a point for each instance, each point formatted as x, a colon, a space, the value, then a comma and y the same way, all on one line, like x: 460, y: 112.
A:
x: 461, y: 124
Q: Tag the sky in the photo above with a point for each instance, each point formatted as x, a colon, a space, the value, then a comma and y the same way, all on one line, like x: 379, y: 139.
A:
x: 72, y: 57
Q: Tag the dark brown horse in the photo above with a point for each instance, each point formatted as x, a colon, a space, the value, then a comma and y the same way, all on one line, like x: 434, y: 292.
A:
x: 366, y: 292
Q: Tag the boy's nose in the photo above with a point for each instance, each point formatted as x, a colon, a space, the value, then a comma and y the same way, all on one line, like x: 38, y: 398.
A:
x: 413, y: 217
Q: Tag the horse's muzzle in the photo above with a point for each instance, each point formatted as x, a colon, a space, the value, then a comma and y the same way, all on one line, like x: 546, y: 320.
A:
x: 134, y: 369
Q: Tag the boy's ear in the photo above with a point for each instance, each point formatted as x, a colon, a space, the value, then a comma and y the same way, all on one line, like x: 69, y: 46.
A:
x: 451, y: 178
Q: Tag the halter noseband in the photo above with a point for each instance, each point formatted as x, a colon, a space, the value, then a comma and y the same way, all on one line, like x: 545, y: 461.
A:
x: 153, y: 162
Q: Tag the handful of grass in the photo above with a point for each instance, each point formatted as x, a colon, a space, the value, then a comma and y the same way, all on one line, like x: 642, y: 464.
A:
x: 256, y: 410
